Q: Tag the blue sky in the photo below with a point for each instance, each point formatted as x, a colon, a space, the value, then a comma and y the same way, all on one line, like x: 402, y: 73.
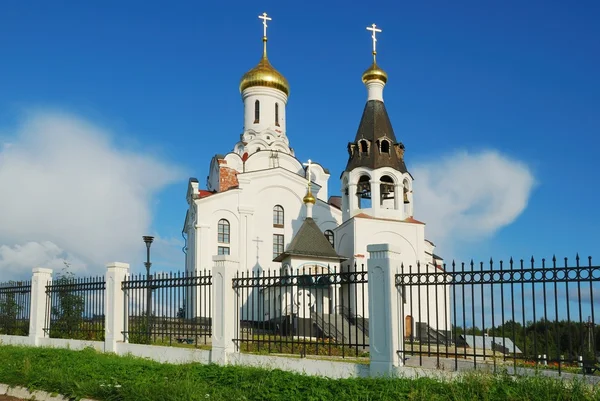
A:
x: 472, y: 85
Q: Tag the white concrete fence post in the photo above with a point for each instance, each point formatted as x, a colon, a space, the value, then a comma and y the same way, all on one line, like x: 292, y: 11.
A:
x: 39, y: 304
x: 384, y: 317
x: 225, y: 317
x: 114, y: 304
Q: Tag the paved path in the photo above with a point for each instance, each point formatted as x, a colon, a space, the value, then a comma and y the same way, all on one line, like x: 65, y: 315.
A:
x: 8, y: 398
x: 17, y: 393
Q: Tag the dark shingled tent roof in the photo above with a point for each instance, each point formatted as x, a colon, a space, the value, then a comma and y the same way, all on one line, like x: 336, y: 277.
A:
x: 311, y: 242
x: 374, y: 124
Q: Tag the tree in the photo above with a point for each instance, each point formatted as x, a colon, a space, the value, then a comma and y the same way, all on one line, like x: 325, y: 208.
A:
x: 9, y: 312
x: 68, y: 307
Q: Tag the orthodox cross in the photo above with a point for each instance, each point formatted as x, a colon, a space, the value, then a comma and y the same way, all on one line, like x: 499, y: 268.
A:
x: 373, y: 28
x: 265, y: 19
x: 308, y: 167
x: 257, y: 240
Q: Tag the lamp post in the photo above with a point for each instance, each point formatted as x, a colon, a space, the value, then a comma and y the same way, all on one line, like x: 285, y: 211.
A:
x: 148, y: 241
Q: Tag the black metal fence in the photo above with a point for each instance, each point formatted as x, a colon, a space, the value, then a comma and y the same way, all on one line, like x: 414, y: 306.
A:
x: 168, y: 309
x: 519, y: 314
x: 313, y: 311
x: 15, y: 304
x: 75, y: 308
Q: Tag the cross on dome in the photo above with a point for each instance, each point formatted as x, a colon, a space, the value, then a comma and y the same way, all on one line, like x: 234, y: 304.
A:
x: 308, y: 167
x: 264, y: 18
x: 373, y: 28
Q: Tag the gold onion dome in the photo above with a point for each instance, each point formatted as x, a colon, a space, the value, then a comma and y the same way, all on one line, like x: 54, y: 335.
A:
x: 374, y: 72
x: 309, y: 198
x: 265, y: 75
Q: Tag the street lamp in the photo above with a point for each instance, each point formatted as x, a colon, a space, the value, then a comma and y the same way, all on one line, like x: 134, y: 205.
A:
x: 148, y: 241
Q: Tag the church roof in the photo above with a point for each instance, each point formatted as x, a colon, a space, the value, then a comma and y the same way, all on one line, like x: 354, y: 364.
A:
x: 375, y: 125
x: 311, y: 242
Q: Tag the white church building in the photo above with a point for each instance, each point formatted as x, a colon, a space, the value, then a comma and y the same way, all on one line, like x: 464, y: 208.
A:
x: 271, y: 211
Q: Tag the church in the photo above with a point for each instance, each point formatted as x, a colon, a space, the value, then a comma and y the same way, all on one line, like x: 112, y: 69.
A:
x: 271, y: 211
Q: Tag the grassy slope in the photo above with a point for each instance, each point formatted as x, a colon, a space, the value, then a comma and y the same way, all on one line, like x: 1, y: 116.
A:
x: 110, y: 377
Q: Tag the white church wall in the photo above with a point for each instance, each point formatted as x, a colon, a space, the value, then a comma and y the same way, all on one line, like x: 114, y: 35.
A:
x: 267, y: 98
x: 267, y: 159
x: 344, y: 242
x: 234, y: 161
x: 321, y: 178
x: 249, y: 211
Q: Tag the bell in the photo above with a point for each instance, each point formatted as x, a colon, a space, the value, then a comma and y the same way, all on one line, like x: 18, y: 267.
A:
x: 387, y: 191
x: 406, y: 197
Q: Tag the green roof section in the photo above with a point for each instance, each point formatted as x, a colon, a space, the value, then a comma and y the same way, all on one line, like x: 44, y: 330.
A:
x: 310, y: 242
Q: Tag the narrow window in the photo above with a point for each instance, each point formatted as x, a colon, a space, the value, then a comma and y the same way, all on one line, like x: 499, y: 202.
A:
x: 277, y: 114
x: 223, y: 237
x: 364, y: 147
x: 385, y: 146
x: 329, y: 236
x: 256, y: 112
x: 277, y: 245
x: 278, y: 216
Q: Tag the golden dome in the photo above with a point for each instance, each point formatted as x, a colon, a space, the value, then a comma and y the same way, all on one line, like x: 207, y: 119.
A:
x: 374, y: 72
x: 265, y: 75
x: 309, y: 198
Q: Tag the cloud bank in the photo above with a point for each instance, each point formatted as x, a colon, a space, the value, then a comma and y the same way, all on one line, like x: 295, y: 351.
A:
x: 68, y: 193
x: 466, y: 196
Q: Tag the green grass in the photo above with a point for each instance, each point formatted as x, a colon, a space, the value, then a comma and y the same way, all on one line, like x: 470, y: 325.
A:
x: 91, y: 374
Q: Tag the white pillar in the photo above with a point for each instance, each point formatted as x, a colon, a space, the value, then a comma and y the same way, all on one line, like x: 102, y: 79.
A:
x: 384, y: 318
x: 352, y: 201
x: 114, y: 304
x: 40, y: 309
x: 246, y: 233
x: 225, y: 318
x: 375, y: 195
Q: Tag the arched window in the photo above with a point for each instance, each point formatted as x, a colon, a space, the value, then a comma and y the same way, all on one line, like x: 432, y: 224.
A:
x: 329, y: 236
x: 277, y: 114
x: 364, y: 146
x: 256, y: 112
x: 385, y: 146
x: 223, y: 237
x: 278, y: 216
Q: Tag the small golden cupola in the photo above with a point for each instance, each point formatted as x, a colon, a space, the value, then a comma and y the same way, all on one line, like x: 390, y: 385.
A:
x: 374, y: 72
x: 264, y: 74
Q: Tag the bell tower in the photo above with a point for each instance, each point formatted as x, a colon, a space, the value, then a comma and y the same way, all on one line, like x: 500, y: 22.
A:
x: 376, y: 182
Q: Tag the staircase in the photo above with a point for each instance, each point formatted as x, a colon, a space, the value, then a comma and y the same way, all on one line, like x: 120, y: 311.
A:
x: 340, y: 328
x: 429, y: 335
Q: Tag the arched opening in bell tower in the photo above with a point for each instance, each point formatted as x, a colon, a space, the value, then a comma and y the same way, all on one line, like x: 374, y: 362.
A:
x: 363, y: 192
x: 406, y: 198
x: 387, y: 192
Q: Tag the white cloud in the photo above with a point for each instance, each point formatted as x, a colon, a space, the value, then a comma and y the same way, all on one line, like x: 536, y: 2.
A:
x: 467, y: 196
x: 67, y: 193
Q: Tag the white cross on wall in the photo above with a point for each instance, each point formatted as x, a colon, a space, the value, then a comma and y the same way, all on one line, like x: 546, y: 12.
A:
x: 265, y: 19
x: 373, y: 28
x: 258, y: 241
